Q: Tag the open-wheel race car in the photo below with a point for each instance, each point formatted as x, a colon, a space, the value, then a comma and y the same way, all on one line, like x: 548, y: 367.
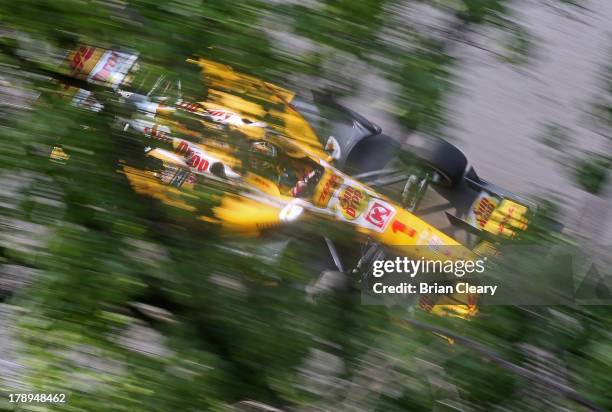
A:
x: 276, y: 159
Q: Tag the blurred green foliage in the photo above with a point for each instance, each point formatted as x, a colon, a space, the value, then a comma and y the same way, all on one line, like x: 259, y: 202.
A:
x: 592, y: 174
x: 234, y: 327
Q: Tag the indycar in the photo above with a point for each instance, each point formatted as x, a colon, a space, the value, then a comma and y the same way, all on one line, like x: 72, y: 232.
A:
x: 276, y: 158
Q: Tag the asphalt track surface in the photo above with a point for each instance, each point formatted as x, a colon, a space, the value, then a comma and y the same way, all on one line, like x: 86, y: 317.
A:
x: 498, y: 110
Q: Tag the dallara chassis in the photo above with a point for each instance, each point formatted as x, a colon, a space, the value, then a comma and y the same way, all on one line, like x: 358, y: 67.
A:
x: 280, y: 158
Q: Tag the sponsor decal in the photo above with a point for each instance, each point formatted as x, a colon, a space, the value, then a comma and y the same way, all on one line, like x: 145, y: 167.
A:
x: 112, y: 68
x: 353, y: 201
x: 436, y: 244
x: 80, y: 57
x: 423, y: 237
x: 182, y: 147
x: 329, y: 188
x: 198, y: 162
x: 174, y: 176
x: 156, y: 132
x: 190, y: 107
x: 220, y: 116
x: 481, y: 210
x: 398, y: 226
x: 194, y: 158
x: 433, y: 243
x: 380, y: 214
x: 105, y: 71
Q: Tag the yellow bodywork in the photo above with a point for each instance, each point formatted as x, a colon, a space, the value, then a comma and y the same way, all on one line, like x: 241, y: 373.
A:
x: 404, y: 232
x: 238, y: 98
x: 225, y: 84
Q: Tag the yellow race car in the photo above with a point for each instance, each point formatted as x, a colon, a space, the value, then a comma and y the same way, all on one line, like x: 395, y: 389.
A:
x: 275, y: 159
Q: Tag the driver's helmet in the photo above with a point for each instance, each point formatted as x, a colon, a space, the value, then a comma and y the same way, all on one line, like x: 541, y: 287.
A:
x: 263, y: 157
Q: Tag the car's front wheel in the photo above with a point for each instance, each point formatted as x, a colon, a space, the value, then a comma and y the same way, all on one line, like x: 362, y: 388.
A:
x: 442, y: 157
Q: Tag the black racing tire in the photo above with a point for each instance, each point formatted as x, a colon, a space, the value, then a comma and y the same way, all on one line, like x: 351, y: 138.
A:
x: 443, y: 157
x: 372, y: 153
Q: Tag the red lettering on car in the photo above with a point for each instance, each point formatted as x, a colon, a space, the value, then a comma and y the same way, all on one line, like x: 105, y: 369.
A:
x: 398, y: 226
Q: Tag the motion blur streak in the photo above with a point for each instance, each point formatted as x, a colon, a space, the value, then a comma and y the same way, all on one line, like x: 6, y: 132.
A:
x: 113, y: 290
